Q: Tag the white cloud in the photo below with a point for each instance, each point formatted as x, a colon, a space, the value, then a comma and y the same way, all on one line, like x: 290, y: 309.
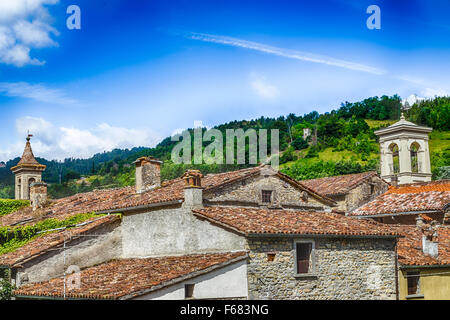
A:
x: 432, y: 92
x: 24, y: 25
x: 291, y: 54
x: 36, y: 92
x: 262, y: 87
x: 53, y: 142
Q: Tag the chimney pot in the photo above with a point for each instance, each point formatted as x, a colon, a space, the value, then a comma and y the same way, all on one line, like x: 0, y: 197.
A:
x: 193, y: 191
x: 148, y: 174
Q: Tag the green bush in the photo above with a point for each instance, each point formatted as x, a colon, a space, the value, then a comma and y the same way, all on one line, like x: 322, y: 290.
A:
x: 8, y: 206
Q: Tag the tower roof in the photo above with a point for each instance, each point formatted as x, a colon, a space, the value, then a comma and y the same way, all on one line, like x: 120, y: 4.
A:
x: 403, y: 125
x: 28, y: 159
x: 28, y: 156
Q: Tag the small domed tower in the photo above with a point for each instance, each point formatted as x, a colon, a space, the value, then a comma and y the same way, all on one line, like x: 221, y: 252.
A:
x: 27, y: 171
x: 404, y: 151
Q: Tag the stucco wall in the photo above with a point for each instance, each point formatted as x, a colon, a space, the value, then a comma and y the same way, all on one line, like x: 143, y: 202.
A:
x: 174, y: 231
x: 345, y: 269
x: 434, y: 284
x: 249, y: 190
x: 224, y: 283
x: 82, y: 252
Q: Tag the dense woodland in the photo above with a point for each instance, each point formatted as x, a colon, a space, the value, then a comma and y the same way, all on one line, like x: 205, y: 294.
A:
x: 342, y: 142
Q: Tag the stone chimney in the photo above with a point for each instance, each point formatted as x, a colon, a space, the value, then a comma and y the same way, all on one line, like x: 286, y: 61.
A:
x: 193, y: 191
x: 430, y: 244
x: 148, y: 174
x: 38, y: 195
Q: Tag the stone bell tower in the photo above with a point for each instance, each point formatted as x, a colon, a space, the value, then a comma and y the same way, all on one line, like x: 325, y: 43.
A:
x: 26, y: 172
x: 404, y: 151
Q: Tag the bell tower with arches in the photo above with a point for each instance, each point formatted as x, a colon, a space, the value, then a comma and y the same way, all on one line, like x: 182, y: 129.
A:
x: 404, y: 152
x: 27, y: 172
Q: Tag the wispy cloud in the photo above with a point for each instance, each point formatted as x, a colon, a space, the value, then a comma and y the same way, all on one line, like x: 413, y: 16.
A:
x: 287, y: 53
x: 38, y: 92
x: 262, y: 87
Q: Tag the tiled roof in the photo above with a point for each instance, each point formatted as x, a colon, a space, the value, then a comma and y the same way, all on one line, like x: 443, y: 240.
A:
x: 125, y: 278
x: 410, y: 247
x: 122, y: 198
x: 42, y: 244
x: 426, y: 196
x: 27, y: 156
x: 266, y: 221
x: 338, y: 185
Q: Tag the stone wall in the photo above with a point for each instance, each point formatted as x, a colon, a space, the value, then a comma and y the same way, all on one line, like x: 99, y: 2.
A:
x: 249, y: 191
x: 344, y: 269
x: 364, y: 193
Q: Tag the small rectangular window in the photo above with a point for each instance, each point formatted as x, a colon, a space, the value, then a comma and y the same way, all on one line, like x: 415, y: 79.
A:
x: 267, y: 196
x: 188, y: 291
x: 304, y: 261
x: 413, y: 279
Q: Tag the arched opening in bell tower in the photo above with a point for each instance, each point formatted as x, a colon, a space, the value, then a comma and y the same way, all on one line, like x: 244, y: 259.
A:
x: 395, y: 169
x: 414, y: 149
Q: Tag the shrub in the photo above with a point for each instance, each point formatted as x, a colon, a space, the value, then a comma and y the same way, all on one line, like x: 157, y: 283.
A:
x: 8, y: 206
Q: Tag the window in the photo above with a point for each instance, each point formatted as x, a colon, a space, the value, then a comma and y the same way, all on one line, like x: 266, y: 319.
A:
x: 266, y: 196
x: 414, y: 160
x: 188, y: 291
x: 271, y: 256
x: 304, y: 257
x: 395, y: 158
x: 413, y: 279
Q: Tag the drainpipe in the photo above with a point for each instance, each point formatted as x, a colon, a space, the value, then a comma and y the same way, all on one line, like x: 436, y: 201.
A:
x: 396, y: 271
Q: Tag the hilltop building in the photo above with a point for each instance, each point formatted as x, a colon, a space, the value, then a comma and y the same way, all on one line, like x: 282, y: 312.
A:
x: 27, y: 172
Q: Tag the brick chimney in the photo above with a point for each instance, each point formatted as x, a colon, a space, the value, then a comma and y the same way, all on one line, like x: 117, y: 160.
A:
x: 193, y: 191
x: 38, y: 195
x: 148, y: 174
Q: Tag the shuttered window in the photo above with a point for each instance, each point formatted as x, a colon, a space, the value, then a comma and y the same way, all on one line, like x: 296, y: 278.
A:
x: 304, y: 261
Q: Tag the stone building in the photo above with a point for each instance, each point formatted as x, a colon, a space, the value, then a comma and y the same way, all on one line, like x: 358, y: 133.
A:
x: 349, y: 191
x: 404, y: 151
x: 26, y: 172
x: 204, y: 237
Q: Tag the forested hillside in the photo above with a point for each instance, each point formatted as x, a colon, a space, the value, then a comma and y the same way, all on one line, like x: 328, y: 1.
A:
x: 342, y: 141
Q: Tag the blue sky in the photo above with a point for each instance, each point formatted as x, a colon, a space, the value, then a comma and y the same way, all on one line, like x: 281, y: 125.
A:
x: 139, y: 70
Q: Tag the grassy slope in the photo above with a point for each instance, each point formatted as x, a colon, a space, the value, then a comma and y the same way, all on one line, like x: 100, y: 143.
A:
x: 439, y: 141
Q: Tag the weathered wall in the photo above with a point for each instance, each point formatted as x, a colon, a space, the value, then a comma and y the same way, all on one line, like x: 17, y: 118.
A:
x: 174, y: 231
x: 345, y: 269
x: 82, y: 252
x: 249, y: 190
x: 434, y: 284
x: 364, y: 193
x: 224, y: 283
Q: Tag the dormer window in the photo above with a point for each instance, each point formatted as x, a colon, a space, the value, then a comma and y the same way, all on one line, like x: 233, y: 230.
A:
x: 266, y: 196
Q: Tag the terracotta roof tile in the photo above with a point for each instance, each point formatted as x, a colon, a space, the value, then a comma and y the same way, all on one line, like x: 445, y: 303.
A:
x: 42, y: 244
x: 338, y: 185
x: 130, y: 277
x: 410, y: 246
x: 258, y: 221
x: 120, y: 198
x: 429, y: 196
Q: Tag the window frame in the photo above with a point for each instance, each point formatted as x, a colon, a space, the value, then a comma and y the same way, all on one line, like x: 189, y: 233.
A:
x: 312, y: 272
x: 263, y: 196
x: 411, y: 275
